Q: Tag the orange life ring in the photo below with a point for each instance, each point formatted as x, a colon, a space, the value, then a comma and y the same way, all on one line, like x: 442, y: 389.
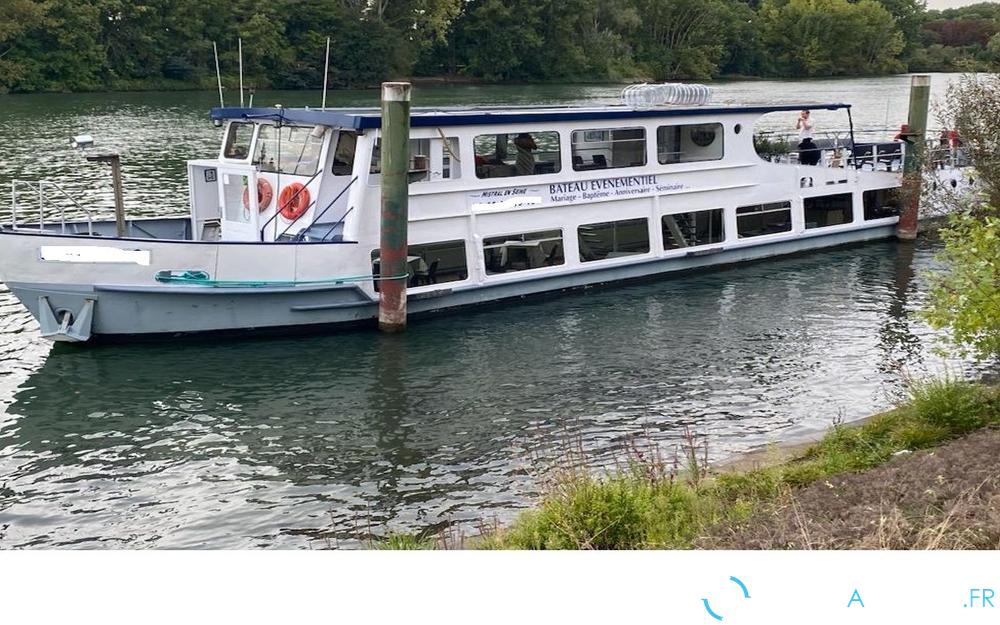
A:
x: 293, y: 201
x: 264, y: 195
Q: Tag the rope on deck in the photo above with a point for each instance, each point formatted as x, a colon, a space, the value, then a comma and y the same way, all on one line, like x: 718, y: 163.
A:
x: 201, y: 278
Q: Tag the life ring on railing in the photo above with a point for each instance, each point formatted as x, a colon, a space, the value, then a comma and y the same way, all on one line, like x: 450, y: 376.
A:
x: 264, y: 195
x: 293, y: 201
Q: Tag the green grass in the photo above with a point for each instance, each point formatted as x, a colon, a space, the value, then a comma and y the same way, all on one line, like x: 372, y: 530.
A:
x: 642, y: 507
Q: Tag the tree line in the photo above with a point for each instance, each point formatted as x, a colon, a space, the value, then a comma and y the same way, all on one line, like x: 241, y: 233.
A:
x: 80, y: 45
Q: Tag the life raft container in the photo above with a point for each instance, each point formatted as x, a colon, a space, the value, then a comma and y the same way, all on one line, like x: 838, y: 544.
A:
x: 293, y: 201
x: 264, y: 195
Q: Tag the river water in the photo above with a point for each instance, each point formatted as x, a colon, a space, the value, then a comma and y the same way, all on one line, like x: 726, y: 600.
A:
x: 317, y: 441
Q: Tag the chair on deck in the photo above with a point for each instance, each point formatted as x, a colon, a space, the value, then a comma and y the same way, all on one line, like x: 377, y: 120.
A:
x: 600, y: 161
x: 429, y: 276
x: 551, y: 258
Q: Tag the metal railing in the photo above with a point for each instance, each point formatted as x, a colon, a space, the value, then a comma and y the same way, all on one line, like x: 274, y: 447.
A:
x: 43, y: 202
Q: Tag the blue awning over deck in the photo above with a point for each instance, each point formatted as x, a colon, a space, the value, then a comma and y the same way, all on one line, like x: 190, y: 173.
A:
x: 361, y: 119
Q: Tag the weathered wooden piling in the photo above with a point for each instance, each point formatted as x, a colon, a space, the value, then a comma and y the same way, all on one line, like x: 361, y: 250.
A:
x: 393, y: 267
x: 115, y: 162
x: 915, y: 137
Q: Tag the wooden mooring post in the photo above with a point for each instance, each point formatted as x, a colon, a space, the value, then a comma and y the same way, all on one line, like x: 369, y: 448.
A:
x: 915, y: 137
x: 393, y: 242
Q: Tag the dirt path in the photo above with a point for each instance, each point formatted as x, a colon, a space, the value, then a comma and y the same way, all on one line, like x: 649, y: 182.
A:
x: 943, y: 498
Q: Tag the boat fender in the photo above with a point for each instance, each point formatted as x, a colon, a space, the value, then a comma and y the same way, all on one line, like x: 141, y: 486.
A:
x: 293, y: 201
x: 264, y: 195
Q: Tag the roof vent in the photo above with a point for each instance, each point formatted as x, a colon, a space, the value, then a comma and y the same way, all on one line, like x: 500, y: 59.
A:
x: 649, y: 96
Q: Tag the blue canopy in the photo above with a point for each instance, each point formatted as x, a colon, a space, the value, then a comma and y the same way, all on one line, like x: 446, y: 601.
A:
x: 361, y: 119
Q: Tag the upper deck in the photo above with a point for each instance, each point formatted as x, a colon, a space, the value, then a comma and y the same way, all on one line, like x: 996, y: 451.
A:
x: 364, y: 119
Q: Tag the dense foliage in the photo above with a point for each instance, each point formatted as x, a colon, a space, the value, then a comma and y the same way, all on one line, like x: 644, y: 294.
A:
x: 965, y: 298
x: 67, y: 45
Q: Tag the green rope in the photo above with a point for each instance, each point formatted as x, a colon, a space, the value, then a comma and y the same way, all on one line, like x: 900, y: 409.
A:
x: 200, y: 278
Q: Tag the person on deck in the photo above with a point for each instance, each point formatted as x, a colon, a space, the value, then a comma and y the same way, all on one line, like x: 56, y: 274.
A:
x: 809, y: 153
x: 805, y: 126
x: 525, y: 164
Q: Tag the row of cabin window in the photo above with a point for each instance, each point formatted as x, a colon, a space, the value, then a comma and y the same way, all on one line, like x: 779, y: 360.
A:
x: 539, y: 153
x: 435, y: 263
x: 296, y: 150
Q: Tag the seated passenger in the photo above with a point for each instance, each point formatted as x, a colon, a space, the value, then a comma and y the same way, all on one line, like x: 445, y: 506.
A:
x: 525, y: 164
x: 809, y: 153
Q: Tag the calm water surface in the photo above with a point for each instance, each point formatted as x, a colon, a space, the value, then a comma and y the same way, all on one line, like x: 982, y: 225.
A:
x: 287, y: 443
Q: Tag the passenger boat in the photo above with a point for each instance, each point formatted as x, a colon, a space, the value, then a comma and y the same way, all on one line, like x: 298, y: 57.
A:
x: 283, y: 230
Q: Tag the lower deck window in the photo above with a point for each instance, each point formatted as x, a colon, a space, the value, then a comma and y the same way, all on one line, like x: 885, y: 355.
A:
x: 882, y: 203
x: 828, y: 210
x: 612, y: 239
x: 430, y: 263
x: 691, y: 229
x: 761, y: 219
x: 517, y: 252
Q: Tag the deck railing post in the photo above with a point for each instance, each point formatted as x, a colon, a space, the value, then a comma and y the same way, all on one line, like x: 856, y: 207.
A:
x: 393, y: 268
x: 920, y: 95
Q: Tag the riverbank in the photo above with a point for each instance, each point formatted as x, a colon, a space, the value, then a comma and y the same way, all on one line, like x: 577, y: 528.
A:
x: 924, y: 475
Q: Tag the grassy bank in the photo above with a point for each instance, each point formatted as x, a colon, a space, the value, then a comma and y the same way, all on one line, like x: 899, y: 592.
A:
x: 650, y: 503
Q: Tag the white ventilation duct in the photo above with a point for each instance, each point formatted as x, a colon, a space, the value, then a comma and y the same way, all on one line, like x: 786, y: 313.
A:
x: 648, y: 96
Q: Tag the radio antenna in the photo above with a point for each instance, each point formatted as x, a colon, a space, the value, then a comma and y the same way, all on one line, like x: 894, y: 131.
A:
x: 218, y: 75
x: 241, y: 70
x: 326, y: 72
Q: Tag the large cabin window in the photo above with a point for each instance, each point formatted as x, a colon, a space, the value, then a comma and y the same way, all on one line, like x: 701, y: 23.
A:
x: 689, y: 143
x: 517, y: 252
x: 430, y: 159
x: 613, y: 239
x: 431, y: 263
x: 761, y: 219
x: 343, y: 155
x: 608, y: 148
x: 882, y: 203
x: 693, y: 229
x: 828, y: 210
x: 238, y: 138
x: 517, y: 154
x: 289, y: 149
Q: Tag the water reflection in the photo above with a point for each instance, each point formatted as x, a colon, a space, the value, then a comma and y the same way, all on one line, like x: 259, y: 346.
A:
x: 284, y: 442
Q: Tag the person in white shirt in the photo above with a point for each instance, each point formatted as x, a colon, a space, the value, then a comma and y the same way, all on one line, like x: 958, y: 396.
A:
x: 805, y: 126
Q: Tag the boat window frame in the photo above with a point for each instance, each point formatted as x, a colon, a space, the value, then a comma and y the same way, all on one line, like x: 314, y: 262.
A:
x: 720, y: 135
x: 515, y: 133
x: 791, y: 218
x: 608, y: 132
x: 721, y: 235
x: 225, y: 141
x: 851, y: 212
x: 320, y: 155
x: 614, y: 224
x: 512, y: 237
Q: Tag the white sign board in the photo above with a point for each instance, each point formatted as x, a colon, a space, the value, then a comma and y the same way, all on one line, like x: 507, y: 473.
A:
x: 92, y: 254
x: 605, y: 189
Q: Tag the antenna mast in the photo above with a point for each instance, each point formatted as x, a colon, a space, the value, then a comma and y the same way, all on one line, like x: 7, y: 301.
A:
x: 218, y: 75
x: 241, y: 70
x: 326, y: 72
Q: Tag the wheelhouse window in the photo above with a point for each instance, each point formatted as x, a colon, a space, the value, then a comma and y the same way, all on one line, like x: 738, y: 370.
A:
x: 431, y: 263
x: 828, y: 210
x: 429, y: 159
x: 882, y: 203
x: 608, y: 148
x: 517, y: 154
x: 689, y: 143
x: 612, y: 239
x: 238, y: 138
x: 761, y: 219
x: 343, y: 154
x: 693, y: 229
x: 517, y: 252
x: 289, y: 149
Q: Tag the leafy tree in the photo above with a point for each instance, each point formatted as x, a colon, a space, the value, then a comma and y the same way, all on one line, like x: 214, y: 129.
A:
x: 830, y: 37
x: 966, y: 298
